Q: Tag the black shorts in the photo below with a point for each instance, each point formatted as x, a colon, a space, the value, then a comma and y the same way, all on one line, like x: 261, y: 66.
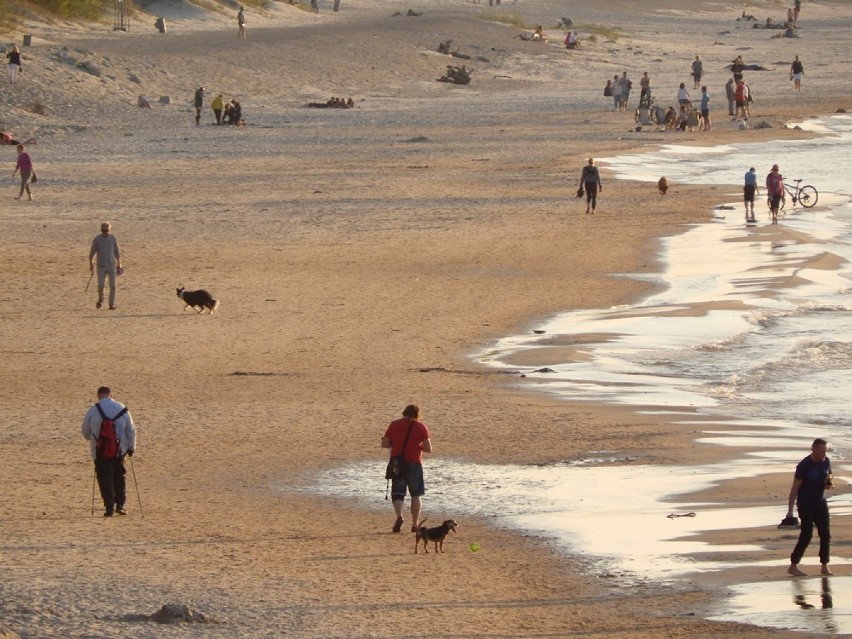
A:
x: 774, y: 201
x: 705, y: 113
x: 740, y: 103
x: 748, y: 192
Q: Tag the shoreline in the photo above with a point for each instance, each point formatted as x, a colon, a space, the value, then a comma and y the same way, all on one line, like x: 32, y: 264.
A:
x: 748, y: 491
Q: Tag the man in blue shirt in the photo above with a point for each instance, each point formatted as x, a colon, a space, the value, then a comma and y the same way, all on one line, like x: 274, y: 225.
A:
x: 813, y: 476
x: 749, y: 191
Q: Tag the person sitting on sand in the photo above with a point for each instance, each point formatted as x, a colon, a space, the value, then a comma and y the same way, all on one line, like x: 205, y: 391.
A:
x: 671, y: 118
x: 571, y: 40
x: 683, y: 119
x: 538, y: 34
x: 229, y: 111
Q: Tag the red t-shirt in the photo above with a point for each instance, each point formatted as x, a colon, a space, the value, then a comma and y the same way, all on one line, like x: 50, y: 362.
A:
x: 396, y: 434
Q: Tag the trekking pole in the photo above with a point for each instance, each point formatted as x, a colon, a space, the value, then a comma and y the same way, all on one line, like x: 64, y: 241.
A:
x: 136, y: 483
x: 89, y: 282
x: 94, y: 474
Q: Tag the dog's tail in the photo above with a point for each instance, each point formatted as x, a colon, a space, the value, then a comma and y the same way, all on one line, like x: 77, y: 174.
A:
x: 422, y: 521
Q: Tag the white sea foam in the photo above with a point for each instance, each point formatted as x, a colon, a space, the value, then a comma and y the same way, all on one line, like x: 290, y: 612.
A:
x: 794, y: 331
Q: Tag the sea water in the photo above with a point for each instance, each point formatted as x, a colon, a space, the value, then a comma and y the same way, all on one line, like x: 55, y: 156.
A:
x: 750, y: 324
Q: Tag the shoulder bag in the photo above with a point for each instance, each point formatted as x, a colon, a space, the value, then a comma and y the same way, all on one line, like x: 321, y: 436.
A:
x: 396, y: 465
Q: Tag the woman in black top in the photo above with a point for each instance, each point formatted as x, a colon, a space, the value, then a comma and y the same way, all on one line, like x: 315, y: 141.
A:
x: 590, y: 180
x: 14, y: 63
x: 737, y: 69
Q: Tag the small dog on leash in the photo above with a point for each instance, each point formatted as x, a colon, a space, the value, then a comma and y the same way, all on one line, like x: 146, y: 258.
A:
x: 198, y: 300
x: 436, y: 535
x: 663, y: 185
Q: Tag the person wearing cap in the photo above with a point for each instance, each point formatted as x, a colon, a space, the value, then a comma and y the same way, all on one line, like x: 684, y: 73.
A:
x: 199, y: 104
x: 105, y: 246
x: 749, y: 191
x: 775, y: 191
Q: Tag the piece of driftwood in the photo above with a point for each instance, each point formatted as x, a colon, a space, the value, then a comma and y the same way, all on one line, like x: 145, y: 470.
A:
x: 457, y: 75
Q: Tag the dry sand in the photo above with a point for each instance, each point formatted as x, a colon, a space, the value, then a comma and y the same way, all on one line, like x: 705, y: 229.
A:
x: 351, y: 249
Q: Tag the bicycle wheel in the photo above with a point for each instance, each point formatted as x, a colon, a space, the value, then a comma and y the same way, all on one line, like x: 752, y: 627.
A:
x: 636, y: 116
x: 808, y: 196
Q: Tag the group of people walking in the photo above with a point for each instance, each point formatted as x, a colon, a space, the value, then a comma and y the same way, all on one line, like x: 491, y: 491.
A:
x: 774, y: 193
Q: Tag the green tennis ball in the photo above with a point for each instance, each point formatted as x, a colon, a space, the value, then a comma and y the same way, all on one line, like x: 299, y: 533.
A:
x: 474, y: 546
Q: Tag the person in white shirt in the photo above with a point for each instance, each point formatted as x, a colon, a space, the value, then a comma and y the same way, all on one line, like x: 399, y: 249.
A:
x: 109, y: 463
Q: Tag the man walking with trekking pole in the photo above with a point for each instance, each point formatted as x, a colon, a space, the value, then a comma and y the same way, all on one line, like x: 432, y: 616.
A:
x: 109, y: 428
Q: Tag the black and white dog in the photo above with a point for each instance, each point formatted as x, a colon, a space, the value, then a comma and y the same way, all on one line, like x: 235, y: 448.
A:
x: 198, y: 300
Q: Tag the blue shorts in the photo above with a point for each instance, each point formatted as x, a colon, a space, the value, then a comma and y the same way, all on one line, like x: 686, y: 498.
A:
x: 413, y: 482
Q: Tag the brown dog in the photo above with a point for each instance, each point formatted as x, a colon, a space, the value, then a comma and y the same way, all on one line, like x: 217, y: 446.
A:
x: 435, y: 535
x: 663, y: 185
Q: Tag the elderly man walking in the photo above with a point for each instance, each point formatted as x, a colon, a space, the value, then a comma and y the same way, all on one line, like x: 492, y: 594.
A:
x: 105, y: 247
x: 111, y: 434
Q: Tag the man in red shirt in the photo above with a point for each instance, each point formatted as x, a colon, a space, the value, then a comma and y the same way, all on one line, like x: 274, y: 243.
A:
x: 775, y: 191
x: 414, y: 435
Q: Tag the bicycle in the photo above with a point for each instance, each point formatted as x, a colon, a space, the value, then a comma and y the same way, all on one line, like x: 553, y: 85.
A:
x: 805, y: 195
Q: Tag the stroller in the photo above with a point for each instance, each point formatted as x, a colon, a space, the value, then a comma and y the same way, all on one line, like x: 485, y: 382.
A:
x: 648, y: 113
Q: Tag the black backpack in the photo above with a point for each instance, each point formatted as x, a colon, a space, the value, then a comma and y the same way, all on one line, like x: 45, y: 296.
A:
x: 107, y: 446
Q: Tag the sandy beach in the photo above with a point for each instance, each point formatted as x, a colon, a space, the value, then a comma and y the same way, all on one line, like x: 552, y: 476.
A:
x: 360, y: 256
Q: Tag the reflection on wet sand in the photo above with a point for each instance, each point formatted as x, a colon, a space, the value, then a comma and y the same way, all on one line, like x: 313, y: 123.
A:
x: 806, y: 605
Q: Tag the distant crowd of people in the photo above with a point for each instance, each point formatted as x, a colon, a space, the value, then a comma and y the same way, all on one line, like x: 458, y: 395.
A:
x: 334, y: 103
x: 738, y: 93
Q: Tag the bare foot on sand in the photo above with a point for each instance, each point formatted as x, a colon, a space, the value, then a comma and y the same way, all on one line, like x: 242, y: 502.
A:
x: 794, y: 570
x: 825, y: 570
